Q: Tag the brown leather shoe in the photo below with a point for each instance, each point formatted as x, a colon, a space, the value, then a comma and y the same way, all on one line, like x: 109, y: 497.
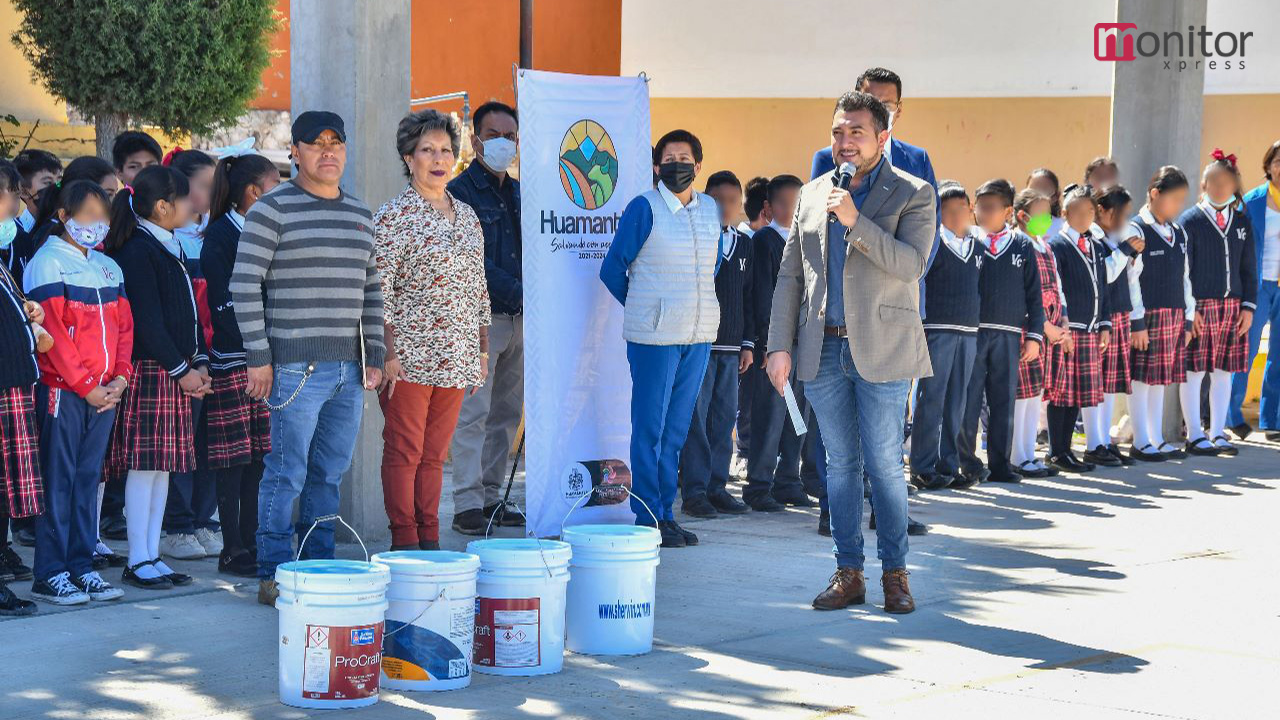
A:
x: 897, y: 593
x: 847, y: 588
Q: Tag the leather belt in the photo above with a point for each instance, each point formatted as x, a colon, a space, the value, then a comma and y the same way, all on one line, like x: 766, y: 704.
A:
x: 836, y: 331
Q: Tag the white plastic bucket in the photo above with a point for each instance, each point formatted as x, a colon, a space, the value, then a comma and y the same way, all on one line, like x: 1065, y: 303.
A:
x: 431, y: 611
x: 331, y: 614
x: 519, y: 611
x: 610, y: 602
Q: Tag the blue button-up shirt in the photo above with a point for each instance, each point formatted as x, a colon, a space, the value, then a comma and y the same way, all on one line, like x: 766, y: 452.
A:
x: 837, y: 248
x: 498, y: 208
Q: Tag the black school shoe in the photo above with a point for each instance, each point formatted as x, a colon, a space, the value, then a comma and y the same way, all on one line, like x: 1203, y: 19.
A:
x: 1225, y: 448
x: 1067, y: 462
x: 1125, y: 460
x: 1171, y: 452
x: 1242, y: 431
x: 115, y: 528
x: 930, y: 481
x: 765, y: 503
x: 689, y: 538
x: 178, y: 579
x: 726, y: 503
x: 1202, y: 446
x: 1007, y: 477
x: 824, y: 523
x: 1146, y: 453
x: 914, y: 528
x: 130, y: 577
x: 237, y: 562
x: 1030, y: 469
x: 966, y: 479
x: 671, y: 537
x: 11, y: 567
x: 1100, y: 455
x: 13, y: 606
x: 795, y: 497
x: 699, y: 506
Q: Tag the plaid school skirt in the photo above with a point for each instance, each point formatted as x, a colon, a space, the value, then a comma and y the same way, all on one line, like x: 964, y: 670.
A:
x: 1219, y: 347
x: 19, y: 455
x: 1117, y: 376
x: 1077, y: 375
x: 1164, y: 362
x: 153, y: 429
x: 1031, y: 374
x: 238, y: 427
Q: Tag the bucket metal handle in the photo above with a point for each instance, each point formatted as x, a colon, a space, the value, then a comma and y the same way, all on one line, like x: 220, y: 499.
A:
x: 502, y: 508
x: 593, y: 491
x: 315, y: 522
x: 430, y: 604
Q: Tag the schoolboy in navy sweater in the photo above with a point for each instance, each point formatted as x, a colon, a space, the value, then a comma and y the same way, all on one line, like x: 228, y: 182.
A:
x: 1009, y: 287
x: 952, y: 307
x: 704, y: 462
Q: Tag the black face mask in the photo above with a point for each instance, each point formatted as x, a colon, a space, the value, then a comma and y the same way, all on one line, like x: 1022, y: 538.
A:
x: 676, y: 175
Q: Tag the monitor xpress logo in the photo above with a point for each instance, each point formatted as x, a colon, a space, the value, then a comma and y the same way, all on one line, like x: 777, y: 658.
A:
x: 1189, y: 50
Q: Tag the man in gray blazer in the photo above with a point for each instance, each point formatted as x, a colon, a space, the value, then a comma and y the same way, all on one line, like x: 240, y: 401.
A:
x: 847, y: 301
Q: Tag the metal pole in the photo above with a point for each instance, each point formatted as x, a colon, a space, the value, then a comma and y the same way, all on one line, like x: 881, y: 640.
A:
x: 526, y: 34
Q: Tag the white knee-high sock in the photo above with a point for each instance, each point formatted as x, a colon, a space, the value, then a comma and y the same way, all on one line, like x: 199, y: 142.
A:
x: 1219, y: 398
x: 1094, y: 436
x: 1108, y: 414
x: 1024, y: 429
x: 1155, y: 415
x: 137, y: 514
x: 159, y: 494
x: 1189, y: 398
x: 1138, y: 414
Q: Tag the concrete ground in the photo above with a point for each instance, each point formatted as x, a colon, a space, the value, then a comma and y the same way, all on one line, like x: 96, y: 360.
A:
x: 1148, y: 591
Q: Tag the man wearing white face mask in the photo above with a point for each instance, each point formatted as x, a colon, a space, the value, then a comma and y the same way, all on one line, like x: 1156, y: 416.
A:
x: 489, y: 418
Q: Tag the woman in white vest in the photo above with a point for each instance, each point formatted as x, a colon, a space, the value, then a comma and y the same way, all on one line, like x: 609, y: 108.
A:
x: 661, y: 267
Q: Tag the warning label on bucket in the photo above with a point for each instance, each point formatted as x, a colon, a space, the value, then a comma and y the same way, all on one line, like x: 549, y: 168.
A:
x: 508, y: 632
x: 341, y: 663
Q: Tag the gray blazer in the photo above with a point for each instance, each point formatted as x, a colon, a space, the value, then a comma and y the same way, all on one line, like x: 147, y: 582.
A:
x: 887, y: 250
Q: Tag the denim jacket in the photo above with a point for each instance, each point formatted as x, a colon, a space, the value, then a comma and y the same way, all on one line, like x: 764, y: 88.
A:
x: 502, y: 253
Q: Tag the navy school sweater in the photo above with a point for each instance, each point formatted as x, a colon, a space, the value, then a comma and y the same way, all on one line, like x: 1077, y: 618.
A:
x: 1009, y: 285
x: 217, y: 259
x: 1223, y: 263
x: 766, y: 258
x: 1084, y: 281
x: 1165, y: 276
x: 952, y: 302
x: 17, y: 340
x: 734, y: 293
x: 165, y: 328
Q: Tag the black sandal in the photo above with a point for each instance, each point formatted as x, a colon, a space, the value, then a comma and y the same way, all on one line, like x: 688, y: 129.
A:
x: 130, y: 577
x: 1202, y: 446
x: 1225, y: 448
x: 1146, y: 453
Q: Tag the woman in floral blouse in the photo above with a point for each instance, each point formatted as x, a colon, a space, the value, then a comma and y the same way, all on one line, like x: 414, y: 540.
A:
x: 430, y: 252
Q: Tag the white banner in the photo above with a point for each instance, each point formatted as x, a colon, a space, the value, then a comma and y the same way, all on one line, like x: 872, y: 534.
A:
x: 584, y: 153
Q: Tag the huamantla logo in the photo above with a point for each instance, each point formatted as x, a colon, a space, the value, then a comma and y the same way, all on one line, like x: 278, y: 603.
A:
x: 1121, y: 42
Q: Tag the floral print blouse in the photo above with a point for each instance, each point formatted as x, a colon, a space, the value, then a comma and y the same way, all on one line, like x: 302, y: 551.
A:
x: 433, y: 288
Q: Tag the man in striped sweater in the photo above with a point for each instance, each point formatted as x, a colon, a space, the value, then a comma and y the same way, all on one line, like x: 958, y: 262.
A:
x: 308, y: 300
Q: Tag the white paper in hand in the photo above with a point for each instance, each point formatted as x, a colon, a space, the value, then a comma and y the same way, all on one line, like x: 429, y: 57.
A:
x: 793, y: 409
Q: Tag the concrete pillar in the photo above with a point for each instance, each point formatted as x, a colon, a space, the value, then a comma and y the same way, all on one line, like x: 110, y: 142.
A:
x: 1156, y: 117
x: 352, y: 58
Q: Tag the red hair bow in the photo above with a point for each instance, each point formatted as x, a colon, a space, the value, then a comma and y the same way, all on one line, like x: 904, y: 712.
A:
x: 1229, y: 159
x: 168, y: 158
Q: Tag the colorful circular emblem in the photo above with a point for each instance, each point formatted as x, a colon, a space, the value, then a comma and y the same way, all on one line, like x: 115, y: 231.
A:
x: 588, y: 165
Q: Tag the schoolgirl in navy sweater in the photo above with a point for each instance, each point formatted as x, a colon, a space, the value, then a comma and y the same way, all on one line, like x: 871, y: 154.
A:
x: 1159, y: 352
x: 1010, y: 328
x: 1031, y: 208
x: 239, y: 429
x: 1124, y: 299
x: 1085, y: 267
x: 153, y: 434
x: 1224, y: 281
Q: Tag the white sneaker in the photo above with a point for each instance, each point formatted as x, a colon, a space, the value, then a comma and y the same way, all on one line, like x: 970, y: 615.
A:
x: 181, y: 546
x: 209, y: 540
x: 96, y: 588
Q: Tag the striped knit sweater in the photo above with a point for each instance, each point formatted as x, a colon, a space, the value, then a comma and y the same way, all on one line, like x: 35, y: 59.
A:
x: 305, y: 281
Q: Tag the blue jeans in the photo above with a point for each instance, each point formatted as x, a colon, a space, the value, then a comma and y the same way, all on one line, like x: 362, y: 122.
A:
x: 864, y: 430
x: 193, y: 496
x: 940, y: 403
x: 665, y: 381
x: 312, y: 441
x: 704, y: 463
x: 1269, y: 411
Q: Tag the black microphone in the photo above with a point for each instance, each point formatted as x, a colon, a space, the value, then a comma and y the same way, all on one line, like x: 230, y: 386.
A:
x: 842, y: 179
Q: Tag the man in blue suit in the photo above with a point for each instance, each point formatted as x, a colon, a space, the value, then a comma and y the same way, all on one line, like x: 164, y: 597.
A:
x: 1258, y: 207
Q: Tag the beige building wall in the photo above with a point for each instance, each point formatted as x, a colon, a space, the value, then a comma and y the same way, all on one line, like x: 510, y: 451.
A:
x: 969, y: 139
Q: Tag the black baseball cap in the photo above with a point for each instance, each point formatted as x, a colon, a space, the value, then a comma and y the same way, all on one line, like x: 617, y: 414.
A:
x: 308, y: 126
